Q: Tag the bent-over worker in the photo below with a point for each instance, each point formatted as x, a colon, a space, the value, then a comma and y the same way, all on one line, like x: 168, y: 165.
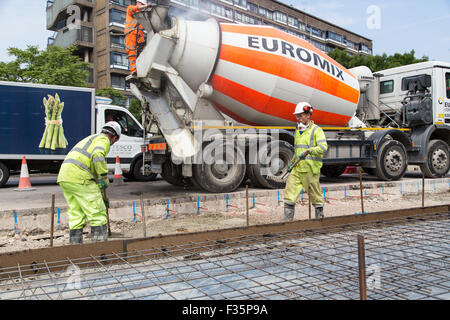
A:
x: 82, y: 177
x: 310, y: 146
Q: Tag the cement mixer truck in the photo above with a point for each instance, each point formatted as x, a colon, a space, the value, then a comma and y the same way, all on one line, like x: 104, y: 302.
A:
x: 219, y: 99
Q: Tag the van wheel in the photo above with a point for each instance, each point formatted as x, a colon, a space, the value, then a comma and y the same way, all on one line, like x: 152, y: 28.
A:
x: 438, y: 160
x: 4, y: 174
x: 147, y: 176
x: 391, y: 161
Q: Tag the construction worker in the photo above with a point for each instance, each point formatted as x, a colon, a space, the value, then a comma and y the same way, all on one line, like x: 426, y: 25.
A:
x: 134, y: 34
x: 82, y: 177
x: 310, y: 146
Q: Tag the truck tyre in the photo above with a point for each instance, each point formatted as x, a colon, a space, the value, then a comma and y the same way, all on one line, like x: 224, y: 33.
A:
x: 4, y: 174
x: 223, y: 168
x: 333, y: 171
x: 172, y: 174
x: 268, y: 172
x: 437, y: 162
x: 137, y: 172
x: 391, y: 161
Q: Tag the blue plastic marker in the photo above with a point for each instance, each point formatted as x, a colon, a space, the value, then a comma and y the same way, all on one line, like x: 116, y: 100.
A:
x: 401, y: 184
x: 301, y: 194
x: 254, y: 205
x: 198, y: 205
x: 418, y: 188
x: 134, y: 211
x: 382, y: 188
x: 167, y: 211
x: 226, y: 199
x: 16, y: 229
x: 345, y: 191
x: 434, y: 186
x: 279, y: 196
x: 59, y: 220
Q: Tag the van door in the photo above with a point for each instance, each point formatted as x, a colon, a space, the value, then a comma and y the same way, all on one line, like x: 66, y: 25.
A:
x: 130, y: 142
x: 441, y: 95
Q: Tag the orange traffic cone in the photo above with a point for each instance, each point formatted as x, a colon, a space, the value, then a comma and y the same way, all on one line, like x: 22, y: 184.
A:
x: 24, y: 181
x: 118, y: 177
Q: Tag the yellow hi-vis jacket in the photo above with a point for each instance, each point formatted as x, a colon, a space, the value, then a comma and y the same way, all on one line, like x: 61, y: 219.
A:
x: 86, y: 162
x: 314, y: 140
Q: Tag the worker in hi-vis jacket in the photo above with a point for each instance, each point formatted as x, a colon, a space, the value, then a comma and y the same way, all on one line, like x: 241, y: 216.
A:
x: 134, y: 33
x: 82, y: 177
x: 310, y: 146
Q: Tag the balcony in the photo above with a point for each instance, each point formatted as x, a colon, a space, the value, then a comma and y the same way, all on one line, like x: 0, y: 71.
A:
x: 65, y: 38
x: 57, y: 10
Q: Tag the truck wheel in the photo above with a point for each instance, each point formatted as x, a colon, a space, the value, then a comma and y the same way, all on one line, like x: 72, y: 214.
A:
x: 223, y: 167
x: 273, y: 165
x: 4, y: 174
x: 137, y: 172
x: 437, y: 163
x: 391, y: 161
x: 333, y: 171
x: 252, y: 176
x: 172, y: 174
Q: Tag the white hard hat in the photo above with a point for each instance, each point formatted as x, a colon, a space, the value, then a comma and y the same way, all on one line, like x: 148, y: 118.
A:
x: 142, y: 1
x: 303, y: 107
x: 114, y: 126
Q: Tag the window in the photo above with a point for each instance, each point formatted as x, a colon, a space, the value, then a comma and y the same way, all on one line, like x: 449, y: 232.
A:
x: 335, y: 37
x: 118, y: 41
x: 447, y: 84
x: 365, y: 48
x: 128, y: 125
x: 319, y: 45
x: 119, y: 59
x: 122, y: 3
x: 293, y: 22
x: 116, y: 16
x: 118, y: 82
x: 241, y: 3
x: 280, y: 17
x: 387, y: 87
x: 221, y: 11
x: 252, y: 7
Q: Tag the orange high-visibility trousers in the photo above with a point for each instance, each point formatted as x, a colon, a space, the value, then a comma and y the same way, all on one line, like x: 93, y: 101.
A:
x: 134, y: 36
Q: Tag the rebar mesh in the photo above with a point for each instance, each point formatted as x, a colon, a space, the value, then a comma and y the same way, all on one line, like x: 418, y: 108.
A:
x: 406, y: 258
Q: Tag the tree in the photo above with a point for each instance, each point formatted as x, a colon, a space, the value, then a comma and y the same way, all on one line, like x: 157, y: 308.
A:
x: 136, y: 109
x: 55, y: 65
x: 115, y: 95
x: 375, y: 63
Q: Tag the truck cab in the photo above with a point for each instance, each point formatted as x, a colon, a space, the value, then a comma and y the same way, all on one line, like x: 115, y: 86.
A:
x: 128, y: 148
x: 393, y: 91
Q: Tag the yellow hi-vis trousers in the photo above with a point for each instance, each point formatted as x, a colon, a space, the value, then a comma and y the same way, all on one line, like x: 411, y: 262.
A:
x: 84, y: 201
x: 303, y: 180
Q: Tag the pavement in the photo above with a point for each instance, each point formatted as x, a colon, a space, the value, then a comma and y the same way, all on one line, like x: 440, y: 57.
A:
x: 39, y: 201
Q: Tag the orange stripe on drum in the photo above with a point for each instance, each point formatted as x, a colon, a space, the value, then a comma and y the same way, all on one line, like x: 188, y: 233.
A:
x: 289, y: 69
x: 275, y: 33
x: 269, y: 105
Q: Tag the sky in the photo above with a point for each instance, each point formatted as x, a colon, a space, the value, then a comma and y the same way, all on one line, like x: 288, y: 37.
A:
x: 394, y: 26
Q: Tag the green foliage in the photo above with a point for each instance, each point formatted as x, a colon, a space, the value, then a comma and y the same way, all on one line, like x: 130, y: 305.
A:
x: 115, y: 95
x: 136, y: 109
x: 55, y: 65
x: 375, y: 63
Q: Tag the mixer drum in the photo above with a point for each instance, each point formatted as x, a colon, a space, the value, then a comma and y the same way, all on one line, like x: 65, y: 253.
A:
x: 262, y: 73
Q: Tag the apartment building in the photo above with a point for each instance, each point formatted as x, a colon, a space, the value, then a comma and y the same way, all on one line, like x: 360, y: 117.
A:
x: 101, y: 42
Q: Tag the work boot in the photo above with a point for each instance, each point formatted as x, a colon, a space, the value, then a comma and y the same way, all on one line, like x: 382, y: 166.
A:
x: 289, y: 211
x: 99, y: 234
x: 76, y: 236
x: 319, y: 213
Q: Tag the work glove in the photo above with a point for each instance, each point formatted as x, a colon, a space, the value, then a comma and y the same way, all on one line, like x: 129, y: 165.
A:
x: 103, y: 184
x: 106, y: 201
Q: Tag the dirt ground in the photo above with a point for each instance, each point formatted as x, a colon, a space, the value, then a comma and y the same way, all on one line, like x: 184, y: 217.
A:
x: 266, y: 211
